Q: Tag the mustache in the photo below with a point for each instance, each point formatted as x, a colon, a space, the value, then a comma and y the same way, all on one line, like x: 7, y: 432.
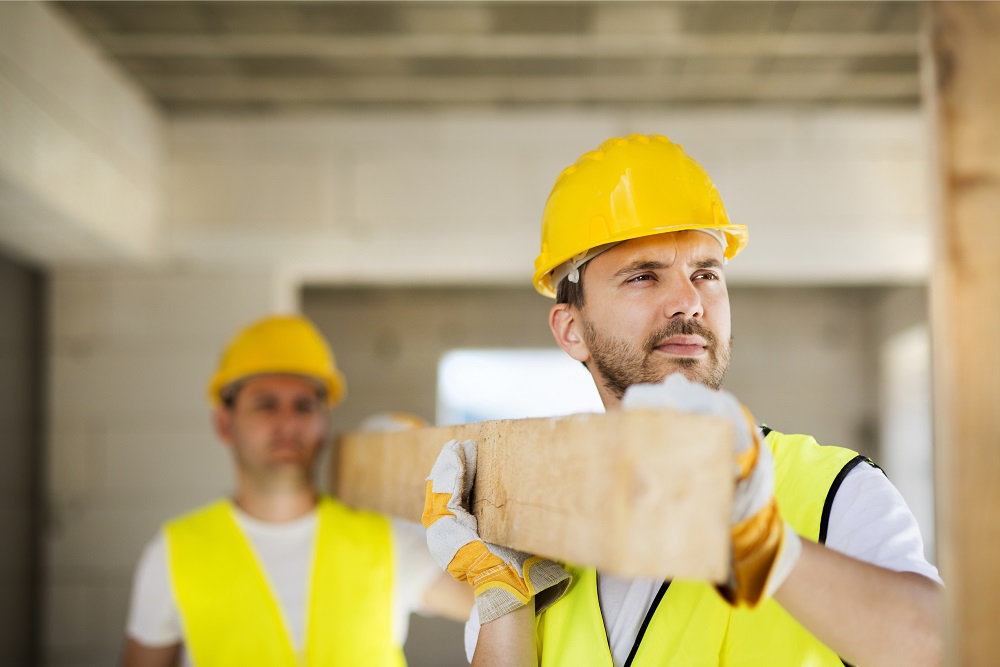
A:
x: 680, y: 328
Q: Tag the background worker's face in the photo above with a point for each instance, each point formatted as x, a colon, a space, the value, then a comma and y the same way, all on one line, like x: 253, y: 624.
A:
x: 652, y: 306
x: 275, y: 428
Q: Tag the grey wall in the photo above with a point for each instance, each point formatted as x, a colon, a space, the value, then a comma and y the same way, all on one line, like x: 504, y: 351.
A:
x: 21, y: 308
x: 805, y: 361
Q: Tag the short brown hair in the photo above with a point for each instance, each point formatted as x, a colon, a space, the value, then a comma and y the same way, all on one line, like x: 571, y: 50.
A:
x: 570, y: 292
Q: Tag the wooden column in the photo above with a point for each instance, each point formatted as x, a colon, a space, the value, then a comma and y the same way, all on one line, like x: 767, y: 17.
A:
x: 964, y: 92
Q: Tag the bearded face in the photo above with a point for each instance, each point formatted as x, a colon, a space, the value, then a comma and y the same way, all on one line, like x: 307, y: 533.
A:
x: 650, y: 307
x: 622, y: 363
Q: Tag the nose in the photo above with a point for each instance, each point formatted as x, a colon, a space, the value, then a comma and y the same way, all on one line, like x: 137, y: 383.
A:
x: 289, y: 420
x: 683, y: 300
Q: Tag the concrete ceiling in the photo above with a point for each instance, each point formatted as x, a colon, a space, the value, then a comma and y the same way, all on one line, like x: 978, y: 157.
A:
x: 261, y: 57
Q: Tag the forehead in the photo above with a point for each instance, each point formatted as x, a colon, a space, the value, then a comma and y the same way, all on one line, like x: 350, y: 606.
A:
x: 686, y: 246
x: 280, y: 384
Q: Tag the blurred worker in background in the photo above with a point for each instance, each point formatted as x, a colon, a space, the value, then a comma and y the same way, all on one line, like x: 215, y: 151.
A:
x: 827, y: 560
x: 279, y: 574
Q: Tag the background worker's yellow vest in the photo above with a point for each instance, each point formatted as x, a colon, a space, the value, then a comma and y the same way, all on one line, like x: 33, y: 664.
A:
x: 231, y: 617
x: 693, y: 626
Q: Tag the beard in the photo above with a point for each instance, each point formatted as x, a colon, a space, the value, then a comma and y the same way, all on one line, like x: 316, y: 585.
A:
x: 622, y: 365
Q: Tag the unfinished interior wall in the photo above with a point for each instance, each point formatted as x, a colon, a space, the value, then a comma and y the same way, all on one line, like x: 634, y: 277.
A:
x: 81, y: 146
x: 803, y: 357
x: 129, y: 441
x: 453, y: 197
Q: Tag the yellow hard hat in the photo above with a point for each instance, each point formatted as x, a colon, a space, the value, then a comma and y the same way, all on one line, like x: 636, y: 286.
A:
x: 278, y: 345
x: 628, y: 188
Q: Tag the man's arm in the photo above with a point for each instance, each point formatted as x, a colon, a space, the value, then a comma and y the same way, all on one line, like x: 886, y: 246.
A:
x: 508, y: 641
x: 140, y: 655
x: 153, y: 634
x: 869, y: 615
x: 449, y: 598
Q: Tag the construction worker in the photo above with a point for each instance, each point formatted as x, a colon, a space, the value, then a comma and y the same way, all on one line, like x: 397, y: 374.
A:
x: 280, y: 575
x: 827, y: 561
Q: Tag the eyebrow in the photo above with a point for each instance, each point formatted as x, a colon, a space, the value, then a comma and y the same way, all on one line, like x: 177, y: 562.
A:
x: 651, y: 265
x: 708, y: 263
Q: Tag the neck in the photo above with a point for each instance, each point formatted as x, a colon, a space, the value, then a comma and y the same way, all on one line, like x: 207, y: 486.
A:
x: 275, y: 505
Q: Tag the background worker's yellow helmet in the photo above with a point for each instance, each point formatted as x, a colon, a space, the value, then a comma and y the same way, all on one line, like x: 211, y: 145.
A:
x: 628, y: 188
x: 278, y: 345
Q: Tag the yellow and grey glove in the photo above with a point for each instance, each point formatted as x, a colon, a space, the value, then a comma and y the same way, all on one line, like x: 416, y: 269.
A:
x: 503, y: 579
x: 765, y: 547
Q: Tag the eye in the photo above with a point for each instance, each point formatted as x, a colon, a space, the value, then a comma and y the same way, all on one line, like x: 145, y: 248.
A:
x: 307, y: 406
x: 706, y: 275
x: 266, y: 404
x: 641, y: 278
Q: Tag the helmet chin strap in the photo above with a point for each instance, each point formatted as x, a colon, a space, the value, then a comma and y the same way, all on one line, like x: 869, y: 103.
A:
x: 570, y: 269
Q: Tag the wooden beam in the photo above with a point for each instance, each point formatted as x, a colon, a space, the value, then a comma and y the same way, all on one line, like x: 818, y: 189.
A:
x: 539, y: 89
x: 965, y: 93
x: 590, y: 47
x: 642, y: 493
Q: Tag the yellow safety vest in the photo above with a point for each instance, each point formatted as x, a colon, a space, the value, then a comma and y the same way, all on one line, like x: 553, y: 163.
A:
x: 231, y: 617
x: 692, y: 625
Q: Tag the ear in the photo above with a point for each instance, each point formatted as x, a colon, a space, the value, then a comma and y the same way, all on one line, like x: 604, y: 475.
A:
x: 222, y: 421
x: 567, y: 329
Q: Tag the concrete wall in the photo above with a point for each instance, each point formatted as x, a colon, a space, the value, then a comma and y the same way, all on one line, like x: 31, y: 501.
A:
x: 129, y: 441
x: 803, y: 361
x: 456, y: 197
x: 80, y: 147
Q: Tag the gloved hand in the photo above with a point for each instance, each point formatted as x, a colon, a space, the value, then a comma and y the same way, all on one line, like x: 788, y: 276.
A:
x: 502, y: 579
x: 765, y: 547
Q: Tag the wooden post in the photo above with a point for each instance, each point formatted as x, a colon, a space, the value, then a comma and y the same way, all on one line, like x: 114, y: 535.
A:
x: 640, y: 493
x: 964, y: 92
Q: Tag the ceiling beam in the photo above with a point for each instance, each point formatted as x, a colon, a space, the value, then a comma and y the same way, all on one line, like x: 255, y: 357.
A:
x: 508, y: 46
x: 534, y: 89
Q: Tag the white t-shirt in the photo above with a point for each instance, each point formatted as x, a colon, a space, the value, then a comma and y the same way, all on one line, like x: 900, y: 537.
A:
x: 869, y: 521
x: 284, y: 550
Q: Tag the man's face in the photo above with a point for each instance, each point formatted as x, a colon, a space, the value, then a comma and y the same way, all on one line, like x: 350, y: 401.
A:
x: 652, y: 306
x: 275, y: 428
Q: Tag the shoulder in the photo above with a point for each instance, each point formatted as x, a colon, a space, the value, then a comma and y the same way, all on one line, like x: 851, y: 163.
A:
x: 199, y: 524
x: 205, y: 512
x: 803, y: 466
x: 152, y: 617
x: 870, y: 521
x: 800, y: 449
x: 332, y: 510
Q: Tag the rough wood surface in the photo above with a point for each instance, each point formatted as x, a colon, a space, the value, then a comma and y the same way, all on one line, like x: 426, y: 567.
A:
x: 643, y: 493
x: 965, y: 93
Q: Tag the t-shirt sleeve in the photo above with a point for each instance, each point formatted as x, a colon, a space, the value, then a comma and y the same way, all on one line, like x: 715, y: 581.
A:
x: 472, y: 627
x: 415, y: 568
x: 870, y: 521
x: 153, y: 618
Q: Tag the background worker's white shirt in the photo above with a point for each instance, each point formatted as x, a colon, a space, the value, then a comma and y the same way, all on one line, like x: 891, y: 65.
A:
x: 869, y: 521
x: 284, y: 550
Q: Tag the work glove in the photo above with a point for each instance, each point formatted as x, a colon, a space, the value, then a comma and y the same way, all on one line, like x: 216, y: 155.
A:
x: 765, y: 547
x: 503, y: 579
